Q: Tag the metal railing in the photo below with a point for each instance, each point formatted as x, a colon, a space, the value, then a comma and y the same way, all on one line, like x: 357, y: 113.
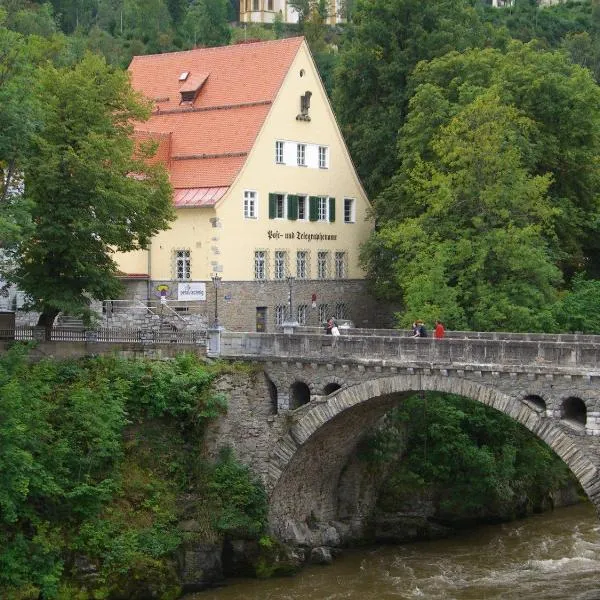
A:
x: 104, y: 334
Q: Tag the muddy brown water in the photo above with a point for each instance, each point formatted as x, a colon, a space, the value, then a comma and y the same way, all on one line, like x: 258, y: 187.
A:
x: 551, y: 556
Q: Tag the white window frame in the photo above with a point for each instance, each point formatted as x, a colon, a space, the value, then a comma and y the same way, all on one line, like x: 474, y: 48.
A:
x: 322, y: 260
x: 279, y: 152
x: 279, y: 264
x: 280, y: 206
x: 302, y: 313
x: 303, y: 202
x: 280, y: 313
x: 183, y: 263
x: 323, y: 209
x: 349, y: 210
x: 260, y: 265
x: 301, y: 155
x: 250, y: 204
x: 324, y: 313
x: 340, y: 265
x: 323, y: 157
x: 341, y: 310
x: 302, y: 264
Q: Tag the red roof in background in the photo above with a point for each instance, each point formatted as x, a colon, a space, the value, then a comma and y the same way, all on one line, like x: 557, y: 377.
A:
x: 210, y: 138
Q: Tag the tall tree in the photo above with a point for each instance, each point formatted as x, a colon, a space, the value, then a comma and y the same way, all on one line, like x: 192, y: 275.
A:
x: 205, y: 23
x: 19, y: 118
x: 496, y: 188
x: 91, y: 194
x: 384, y: 43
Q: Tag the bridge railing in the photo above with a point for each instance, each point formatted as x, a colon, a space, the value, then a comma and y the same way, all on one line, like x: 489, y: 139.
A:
x: 396, y: 350
x: 479, y: 335
x: 105, y: 334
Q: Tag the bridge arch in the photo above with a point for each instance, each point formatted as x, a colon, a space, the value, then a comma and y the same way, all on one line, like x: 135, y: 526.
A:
x: 307, y: 463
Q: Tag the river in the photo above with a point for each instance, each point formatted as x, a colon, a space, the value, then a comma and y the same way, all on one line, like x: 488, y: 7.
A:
x: 551, y: 556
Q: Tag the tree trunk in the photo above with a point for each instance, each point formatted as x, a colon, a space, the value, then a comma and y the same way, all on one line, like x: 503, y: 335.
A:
x: 46, y: 321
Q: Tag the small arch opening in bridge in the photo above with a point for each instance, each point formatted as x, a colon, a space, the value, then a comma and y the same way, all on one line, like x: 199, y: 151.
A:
x: 272, y: 394
x: 574, y: 411
x: 536, y: 402
x: 331, y: 387
x: 299, y: 394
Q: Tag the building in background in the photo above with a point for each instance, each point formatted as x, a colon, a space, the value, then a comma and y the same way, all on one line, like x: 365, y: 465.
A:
x: 266, y: 194
x: 265, y: 11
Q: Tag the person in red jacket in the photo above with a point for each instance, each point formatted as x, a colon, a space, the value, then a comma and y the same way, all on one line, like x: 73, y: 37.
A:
x: 439, y: 330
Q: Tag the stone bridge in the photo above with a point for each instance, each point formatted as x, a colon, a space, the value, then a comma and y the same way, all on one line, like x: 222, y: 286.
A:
x: 326, y: 392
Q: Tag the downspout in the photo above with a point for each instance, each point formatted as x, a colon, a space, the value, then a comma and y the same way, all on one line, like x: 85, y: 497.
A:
x: 149, y: 282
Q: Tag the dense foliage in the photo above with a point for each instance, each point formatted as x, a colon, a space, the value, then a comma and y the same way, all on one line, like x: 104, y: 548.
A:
x: 95, y: 456
x: 474, y: 462
x: 496, y: 189
x: 84, y: 202
x: 482, y: 159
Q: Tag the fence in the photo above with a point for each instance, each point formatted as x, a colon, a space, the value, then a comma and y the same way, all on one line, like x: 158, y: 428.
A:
x: 105, y: 334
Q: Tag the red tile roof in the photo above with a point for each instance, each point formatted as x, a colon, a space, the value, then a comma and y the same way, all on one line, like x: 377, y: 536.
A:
x: 209, y: 140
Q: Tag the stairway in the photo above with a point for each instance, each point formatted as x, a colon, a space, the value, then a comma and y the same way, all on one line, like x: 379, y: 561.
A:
x: 69, y: 322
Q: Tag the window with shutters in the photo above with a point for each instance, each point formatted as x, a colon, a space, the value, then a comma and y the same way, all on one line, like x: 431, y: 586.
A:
x: 322, y: 260
x: 322, y: 213
x: 302, y: 208
x: 183, y: 265
x: 279, y: 264
x: 279, y: 206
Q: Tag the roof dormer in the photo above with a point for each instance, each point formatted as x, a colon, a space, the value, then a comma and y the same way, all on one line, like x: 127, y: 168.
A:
x: 191, y: 87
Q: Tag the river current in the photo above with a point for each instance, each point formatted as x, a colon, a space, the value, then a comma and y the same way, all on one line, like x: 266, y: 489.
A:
x: 545, y: 557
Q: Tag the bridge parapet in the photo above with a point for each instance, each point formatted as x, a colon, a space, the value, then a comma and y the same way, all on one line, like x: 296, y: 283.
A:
x: 533, y: 355
x: 482, y: 335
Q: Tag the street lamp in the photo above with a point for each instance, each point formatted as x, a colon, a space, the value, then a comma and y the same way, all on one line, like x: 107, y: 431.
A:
x: 216, y: 279
x: 290, y: 280
x: 290, y: 323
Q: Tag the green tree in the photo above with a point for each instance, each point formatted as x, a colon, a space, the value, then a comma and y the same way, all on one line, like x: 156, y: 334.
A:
x: 205, y: 23
x: 90, y: 193
x: 19, y: 119
x: 384, y: 43
x: 475, y: 462
x: 577, y: 309
x: 499, y: 163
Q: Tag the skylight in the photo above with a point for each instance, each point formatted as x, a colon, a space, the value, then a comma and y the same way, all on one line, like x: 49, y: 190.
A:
x: 183, y: 76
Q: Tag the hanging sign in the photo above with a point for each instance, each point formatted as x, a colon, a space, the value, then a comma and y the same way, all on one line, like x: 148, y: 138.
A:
x: 191, y: 291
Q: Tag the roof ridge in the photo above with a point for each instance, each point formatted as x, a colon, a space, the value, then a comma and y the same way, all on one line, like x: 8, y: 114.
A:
x: 219, y: 48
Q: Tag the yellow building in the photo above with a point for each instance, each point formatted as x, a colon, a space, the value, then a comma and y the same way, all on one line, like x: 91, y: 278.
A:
x: 265, y: 190
x: 264, y: 11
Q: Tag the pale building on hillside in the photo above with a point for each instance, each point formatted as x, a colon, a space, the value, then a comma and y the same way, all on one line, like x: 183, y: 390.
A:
x: 265, y: 191
x: 264, y: 11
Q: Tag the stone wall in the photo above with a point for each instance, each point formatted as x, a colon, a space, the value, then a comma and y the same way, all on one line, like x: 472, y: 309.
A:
x: 238, y: 301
